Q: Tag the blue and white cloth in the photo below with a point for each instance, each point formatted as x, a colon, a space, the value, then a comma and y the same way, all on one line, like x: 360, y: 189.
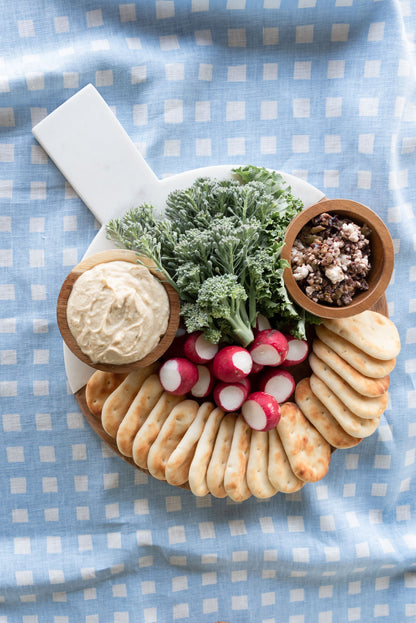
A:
x: 323, y: 89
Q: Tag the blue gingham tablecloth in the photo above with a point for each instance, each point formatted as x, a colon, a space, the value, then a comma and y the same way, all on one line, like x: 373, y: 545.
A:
x: 323, y: 89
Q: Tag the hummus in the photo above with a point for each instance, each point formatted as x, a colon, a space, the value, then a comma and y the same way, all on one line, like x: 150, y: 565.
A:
x: 117, y: 312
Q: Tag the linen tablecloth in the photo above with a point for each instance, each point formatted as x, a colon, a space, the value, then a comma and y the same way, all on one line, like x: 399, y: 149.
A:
x: 322, y: 89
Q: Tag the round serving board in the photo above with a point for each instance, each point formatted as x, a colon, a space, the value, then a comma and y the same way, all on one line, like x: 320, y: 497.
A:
x: 299, y: 372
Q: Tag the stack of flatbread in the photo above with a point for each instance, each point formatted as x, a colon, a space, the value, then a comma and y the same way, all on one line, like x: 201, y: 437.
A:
x: 198, y: 446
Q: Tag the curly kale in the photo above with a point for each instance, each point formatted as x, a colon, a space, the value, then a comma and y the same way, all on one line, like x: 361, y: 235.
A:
x: 219, y: 245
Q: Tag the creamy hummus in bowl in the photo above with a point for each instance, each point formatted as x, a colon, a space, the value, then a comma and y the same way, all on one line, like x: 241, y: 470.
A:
x: 115, y: 313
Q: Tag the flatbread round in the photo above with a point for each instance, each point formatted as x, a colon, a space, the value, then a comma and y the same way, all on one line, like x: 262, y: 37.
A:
x: 220, y: 454
x: 367, y: 365
x: 372, y: 332
x: 281, y: 475
x: 308, y: 453
x: 235, y: 477
x: 118, y: 402
x: 362, y: 384
x: 150, y: 429
x: 323, y: 420
x: 171, y: 433
x: 258, y: 480
x: 203, y: 453
x: 364, y: 407
x: 351, y: 423
x: 99, y: 386
x: 179, y: 462
x: 144, y: 401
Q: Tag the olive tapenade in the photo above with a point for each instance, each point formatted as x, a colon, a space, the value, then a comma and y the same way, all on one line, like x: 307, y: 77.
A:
x: 331, y: 259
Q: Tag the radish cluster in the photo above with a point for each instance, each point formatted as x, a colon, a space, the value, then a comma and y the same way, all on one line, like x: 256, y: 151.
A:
x: 254, y: 380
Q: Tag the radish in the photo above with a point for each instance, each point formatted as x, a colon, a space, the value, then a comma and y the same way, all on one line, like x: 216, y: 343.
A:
x: 178, y: 375
x: 203, y: 386
x: 262, y: 323
x: 198, y: 349
x: 278, y: 383
x: 230, y: 396
x: 269, y: 348
x: 232, y: 363
x: 261, y: 411
x: 298, y: 351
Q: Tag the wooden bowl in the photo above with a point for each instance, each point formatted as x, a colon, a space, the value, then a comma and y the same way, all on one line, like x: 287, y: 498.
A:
x: 100, y: 258
x: 382, y: 257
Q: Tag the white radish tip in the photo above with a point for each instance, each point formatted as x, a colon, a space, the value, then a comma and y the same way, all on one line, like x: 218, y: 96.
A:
x: 169, y: 375
x: 231, y: 398
x: 205, y: 349
x: 266, y: 355
x: 243, y: 361
x: 254, y: 415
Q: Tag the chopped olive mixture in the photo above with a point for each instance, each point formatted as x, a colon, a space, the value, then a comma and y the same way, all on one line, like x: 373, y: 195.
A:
x: 331, y: 259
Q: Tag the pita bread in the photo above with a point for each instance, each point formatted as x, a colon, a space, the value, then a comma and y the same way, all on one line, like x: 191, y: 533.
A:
x: 362, y: 384
x: 364, y: 407
x: 99, y: 386
x: 319, y: 416
x: 235, y: 476
x: 147, y: 434
x: 118, y: 402
x: 144, y: 401
x: 370, y: 331
x: 203, y: 453
x: 220, y: 454
x: 351, y: 423
x: 280, y: 473
x: 308, y: 453
x: 367, y: 365
x: 171, y: 433
x: 179, y: 462
x: 258, y: 466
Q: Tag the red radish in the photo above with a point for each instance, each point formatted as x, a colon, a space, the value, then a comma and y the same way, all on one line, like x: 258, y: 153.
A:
x: 232, y: 363
x: 298, y: 351
x: 262, y: 323
x: 278, y: 383
x: 198, y: 349
x: 230, y: 396
x: 269, y: 348
x: 178, y: 375
x: 261, y: 411
x: 204, y: 384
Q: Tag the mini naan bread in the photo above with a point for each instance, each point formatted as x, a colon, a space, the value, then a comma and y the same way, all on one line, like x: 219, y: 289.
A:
x: 370, y: 331
x: 258, y: 466
x: 99, y: 386
x: 235, y: 476
x: 203, y: 453
x: 147, y: 434
x: 364, y: 407
x: 179, y: 462
x: 220, y: 454
x: 319, y: 416
x: 144, y: 401
x: 351, y: 423
x: 171, y: 433
x: 308, y: 452
x: 367, y: 365
x: 281, y: 475
x: 118, y: 402
x: 362, y: 384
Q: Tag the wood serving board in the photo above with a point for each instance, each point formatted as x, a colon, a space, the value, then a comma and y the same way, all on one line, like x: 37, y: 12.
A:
x: 299, y: 372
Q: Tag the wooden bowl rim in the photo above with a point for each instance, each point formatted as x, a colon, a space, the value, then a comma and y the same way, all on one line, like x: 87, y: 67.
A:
x: 361, y: 213
x: 102, y: 257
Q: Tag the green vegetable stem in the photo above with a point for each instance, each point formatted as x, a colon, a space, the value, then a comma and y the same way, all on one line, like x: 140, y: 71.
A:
x: 219, y: 246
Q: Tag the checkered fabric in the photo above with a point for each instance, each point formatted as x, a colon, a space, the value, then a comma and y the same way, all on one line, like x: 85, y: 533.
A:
x: 322, y: 89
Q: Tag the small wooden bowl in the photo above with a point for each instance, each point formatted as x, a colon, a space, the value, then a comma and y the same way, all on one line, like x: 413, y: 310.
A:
x: 382, y: 257
x: 100, y: 258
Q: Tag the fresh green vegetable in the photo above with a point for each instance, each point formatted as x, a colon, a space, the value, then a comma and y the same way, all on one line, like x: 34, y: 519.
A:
x: 219, y: 247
